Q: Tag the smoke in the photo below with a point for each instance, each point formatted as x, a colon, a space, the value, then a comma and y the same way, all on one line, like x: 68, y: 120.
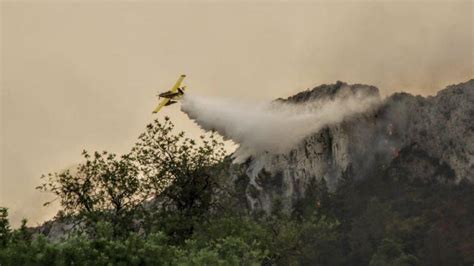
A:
x: 271, y: 127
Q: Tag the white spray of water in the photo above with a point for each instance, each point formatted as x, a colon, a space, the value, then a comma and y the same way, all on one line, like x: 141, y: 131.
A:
x: 270, y: 127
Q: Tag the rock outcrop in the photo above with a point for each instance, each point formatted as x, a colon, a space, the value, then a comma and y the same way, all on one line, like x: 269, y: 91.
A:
x: 428, y: 138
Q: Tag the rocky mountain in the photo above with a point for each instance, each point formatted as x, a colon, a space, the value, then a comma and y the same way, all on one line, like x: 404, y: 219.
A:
x: 406, y: 136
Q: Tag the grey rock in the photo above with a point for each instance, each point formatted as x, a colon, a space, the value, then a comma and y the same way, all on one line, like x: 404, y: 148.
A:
x: 414, y: 136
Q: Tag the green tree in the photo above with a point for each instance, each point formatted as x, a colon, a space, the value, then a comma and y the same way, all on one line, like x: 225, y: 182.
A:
x: 103, y: 188
x: 5, y: 230
x: 166, y: 179
x: 389, y: 253
x: 182, y: 173
x: 368, y: 230
x: 18, y: 248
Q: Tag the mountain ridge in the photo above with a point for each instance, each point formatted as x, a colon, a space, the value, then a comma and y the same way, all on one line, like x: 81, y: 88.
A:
x: 434, y: 134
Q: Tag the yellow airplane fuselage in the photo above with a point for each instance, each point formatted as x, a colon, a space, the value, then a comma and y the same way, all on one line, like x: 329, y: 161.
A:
x: 170, y: 97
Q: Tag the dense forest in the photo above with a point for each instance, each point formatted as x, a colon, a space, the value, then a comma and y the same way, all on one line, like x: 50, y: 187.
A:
x: 170, y: 201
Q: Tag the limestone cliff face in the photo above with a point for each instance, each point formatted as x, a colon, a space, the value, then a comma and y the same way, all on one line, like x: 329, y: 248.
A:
x: 413, y: 136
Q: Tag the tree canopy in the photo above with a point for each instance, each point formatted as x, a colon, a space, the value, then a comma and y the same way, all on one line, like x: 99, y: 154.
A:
x: 171, y: 201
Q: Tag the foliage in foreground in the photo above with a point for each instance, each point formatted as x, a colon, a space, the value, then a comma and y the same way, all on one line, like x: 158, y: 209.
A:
x: 222, y: 241
x: 168, y: 202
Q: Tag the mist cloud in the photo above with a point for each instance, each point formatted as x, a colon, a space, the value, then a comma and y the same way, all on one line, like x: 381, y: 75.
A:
x: 270, y: 127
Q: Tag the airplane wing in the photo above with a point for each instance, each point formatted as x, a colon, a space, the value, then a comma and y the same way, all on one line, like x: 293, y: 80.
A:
x: 177, y: 84
x: 162, y: 103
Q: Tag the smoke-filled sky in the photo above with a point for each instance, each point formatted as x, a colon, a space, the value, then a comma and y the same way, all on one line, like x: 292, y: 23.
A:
x: 83, y: 75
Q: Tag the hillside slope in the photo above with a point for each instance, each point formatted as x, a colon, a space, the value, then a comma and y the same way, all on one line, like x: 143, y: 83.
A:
x: 426, y: 138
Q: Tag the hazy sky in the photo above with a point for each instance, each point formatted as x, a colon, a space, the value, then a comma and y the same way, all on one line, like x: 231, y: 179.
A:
x: 84, y: 75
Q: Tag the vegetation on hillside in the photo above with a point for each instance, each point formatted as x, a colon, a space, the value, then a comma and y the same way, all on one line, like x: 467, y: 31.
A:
x: 170, y: 202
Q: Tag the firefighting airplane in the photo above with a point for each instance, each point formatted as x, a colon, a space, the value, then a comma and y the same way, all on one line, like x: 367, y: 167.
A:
x: 172, y: 96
